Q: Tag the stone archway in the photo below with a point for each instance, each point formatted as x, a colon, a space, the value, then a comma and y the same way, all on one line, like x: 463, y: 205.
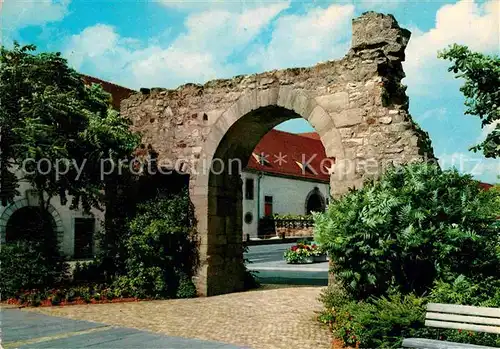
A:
x: 9, y: 211
x: 357, y: 105
x: 217, y: 194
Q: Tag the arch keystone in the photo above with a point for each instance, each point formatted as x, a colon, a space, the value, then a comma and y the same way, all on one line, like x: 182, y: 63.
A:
x: 267, y: 97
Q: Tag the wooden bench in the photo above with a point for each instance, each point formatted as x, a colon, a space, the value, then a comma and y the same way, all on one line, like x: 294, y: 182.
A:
x: 459, y: 317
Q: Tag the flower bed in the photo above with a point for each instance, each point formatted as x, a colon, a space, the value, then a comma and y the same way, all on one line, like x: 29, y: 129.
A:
x: 78, y: 301
x: 305, y: 253
x: 69, y: 296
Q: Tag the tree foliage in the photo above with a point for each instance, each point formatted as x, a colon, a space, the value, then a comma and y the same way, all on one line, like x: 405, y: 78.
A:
x: 47, y: 112
x: 481, y: 90
x: 161, y: 253
x: 416, y: 225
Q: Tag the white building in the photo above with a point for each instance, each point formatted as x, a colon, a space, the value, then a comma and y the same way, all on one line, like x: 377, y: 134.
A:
x: 287, y: 174
x: 75, y: 230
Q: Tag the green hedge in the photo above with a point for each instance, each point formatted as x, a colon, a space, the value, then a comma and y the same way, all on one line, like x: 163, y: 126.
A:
x: 25, y: 266
x: 417, y: 224
x: 417, y: 235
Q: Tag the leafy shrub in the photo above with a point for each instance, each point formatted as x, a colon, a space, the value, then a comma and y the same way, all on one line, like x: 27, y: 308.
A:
x: 160, y: 248
x: 88, y: 272
x: 465, y: 291
x: 250, y: 280
x: 417, y: 224
x: 334, y: 298
x: 186, y: 287
x: 25, y: 266
x: 380, y: 322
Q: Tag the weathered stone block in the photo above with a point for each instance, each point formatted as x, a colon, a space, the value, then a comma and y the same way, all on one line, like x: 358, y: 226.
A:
x: 286, y: 96
x: 319, y: 119
x: 303, y: 105
x: 385, y: 120
x: 349, y: 117
x: 213, y: 116
x: 335, y: 102
x: 267, y: 97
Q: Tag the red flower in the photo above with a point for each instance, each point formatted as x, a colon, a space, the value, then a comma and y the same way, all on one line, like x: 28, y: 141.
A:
x: 314, y: 246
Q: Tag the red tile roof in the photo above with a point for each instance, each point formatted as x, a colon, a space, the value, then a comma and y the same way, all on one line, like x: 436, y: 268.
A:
x: 294, y: 149
x: 485, y: 186
x: 117, y: 92
x: 312, y: 135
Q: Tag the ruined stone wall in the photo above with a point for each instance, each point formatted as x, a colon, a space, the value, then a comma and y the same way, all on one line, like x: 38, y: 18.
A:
x: 361, y: 93
x: 357, y: 105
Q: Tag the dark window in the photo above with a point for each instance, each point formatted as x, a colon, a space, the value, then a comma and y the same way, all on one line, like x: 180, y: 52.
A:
x: 249, y: 189
x: 268, y: 205
x: 248, y: 217
x: 84, y: 237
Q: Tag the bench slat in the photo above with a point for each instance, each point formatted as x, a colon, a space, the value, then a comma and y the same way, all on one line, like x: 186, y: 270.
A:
x: 463, y: 310
x: 461, y: 326
x: 422, y: 343
x: 463, y: 319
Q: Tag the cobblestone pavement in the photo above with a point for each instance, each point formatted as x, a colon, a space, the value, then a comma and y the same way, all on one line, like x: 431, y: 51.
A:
x: 268, y: 318
x: 30, y: 330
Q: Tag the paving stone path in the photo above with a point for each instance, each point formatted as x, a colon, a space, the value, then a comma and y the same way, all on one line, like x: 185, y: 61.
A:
x: 275, y: 318
x: 29, y: 330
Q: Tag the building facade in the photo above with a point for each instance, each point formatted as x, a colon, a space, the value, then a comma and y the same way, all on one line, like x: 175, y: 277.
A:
x: 287, y: 174
x: 75, y: 230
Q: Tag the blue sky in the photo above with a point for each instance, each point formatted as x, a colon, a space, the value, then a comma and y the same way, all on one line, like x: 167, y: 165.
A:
x: 166, y: 43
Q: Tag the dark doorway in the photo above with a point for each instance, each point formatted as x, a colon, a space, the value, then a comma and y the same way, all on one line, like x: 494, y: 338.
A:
x: 29, y: 223
x: 84, y: 237
x: 315, y: 202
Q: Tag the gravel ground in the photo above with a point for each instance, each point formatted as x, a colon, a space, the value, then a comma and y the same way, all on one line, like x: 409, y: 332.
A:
x: 267, y: 318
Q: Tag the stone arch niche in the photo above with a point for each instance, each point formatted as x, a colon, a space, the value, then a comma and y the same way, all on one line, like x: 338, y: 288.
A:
x: 57, y: 224
x: 357, y: 105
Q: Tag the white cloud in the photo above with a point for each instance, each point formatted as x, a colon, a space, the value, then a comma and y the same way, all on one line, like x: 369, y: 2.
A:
x: 20, y: 14
x: 302, y: 40
x: 16, y: 15
x: 439, y: 114
x: 206, y: 5
x: 197, y: 55
x: 378, y: 5
x: 487, y: 130
x: 465, y: 22
x: 474, y: 164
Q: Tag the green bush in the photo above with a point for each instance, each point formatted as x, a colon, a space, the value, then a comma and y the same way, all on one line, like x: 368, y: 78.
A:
x: 413, y: 226
x: 334, y: 298
x: 88, y: 272
x: 160, y: 248
x: 25, y: 266
x: 380, y: 322
x: 186, y: 287
x: 465, y: 291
